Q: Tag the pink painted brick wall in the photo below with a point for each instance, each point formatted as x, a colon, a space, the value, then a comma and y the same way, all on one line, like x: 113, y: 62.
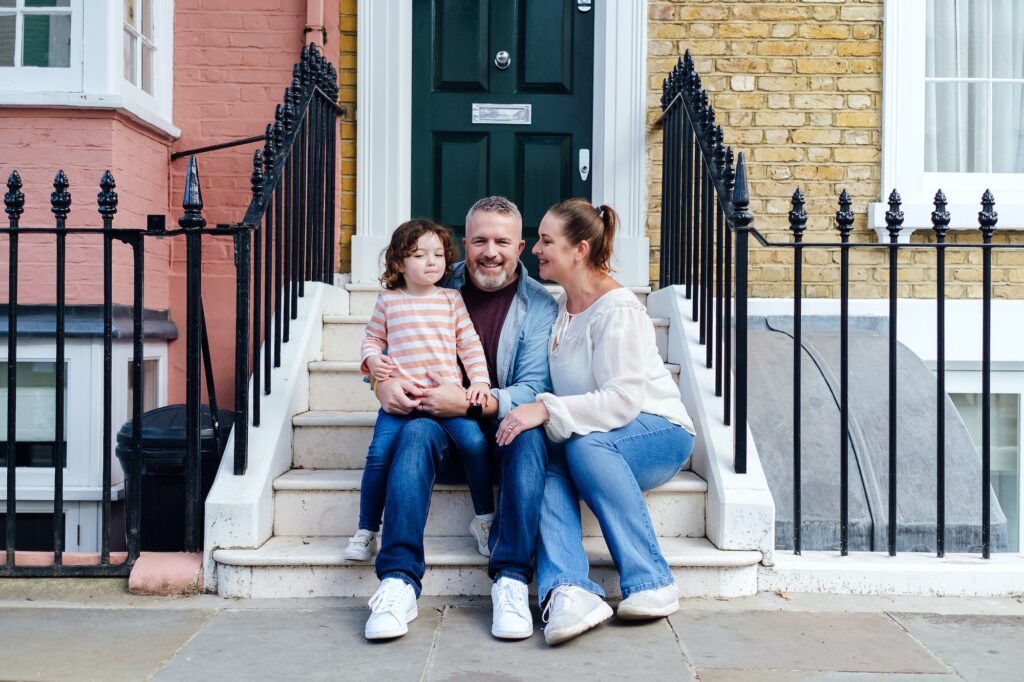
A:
x: 84, y: 143
x: 232, y: 61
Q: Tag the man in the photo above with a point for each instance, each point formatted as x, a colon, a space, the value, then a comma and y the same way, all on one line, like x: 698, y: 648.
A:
x: 513, y: 315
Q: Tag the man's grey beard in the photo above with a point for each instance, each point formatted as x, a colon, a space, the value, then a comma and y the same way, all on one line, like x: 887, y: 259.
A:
x: 486, y: 281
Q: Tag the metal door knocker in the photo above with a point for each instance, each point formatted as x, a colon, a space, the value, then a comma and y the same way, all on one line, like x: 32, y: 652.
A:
x: 502, y: 60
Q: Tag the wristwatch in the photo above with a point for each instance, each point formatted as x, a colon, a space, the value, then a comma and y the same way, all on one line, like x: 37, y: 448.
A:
x: 475, y: 411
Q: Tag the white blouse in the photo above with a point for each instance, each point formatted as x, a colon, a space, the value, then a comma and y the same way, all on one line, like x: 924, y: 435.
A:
x: 606, y: 370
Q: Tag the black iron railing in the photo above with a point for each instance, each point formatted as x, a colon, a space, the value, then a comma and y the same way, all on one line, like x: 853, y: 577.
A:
x: 705, y: 207
x: 291, y: 214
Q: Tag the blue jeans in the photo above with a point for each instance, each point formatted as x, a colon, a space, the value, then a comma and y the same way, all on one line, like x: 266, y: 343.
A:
x: 609, y: 471
x: 467, y: 437
x: 423, y: 455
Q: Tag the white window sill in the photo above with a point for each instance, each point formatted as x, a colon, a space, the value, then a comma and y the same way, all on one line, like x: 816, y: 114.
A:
x: 91, y: 100
x: 963, y: 217
x: 72, y: 493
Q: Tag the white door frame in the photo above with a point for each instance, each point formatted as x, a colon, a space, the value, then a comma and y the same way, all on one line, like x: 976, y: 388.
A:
x: 384, y: 130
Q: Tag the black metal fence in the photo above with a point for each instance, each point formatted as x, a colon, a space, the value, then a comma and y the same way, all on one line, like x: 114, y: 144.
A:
x: 291, y: 215
x: 706, y: 228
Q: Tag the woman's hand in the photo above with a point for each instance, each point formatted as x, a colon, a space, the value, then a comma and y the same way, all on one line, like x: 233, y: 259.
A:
x: 520, y: 419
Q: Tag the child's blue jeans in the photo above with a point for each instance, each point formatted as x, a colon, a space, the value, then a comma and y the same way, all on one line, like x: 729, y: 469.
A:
x: 464, y: 433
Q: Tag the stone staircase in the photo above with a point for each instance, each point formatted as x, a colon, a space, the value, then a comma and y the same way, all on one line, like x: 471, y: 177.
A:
x: 316, y: 503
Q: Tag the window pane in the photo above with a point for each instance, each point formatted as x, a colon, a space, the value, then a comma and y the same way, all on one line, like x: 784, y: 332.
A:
x: 957, y: 42
x: 35, y: 412
x: 47, y: 40
x: 7, y: 25
x: 1007, y: 39
x: 47, y: 3
x: 129, y: 58
x: 130, y: 14
x: 147, y: 19
x: 956, y: 127
x: 1005, y: 453
x: 1007, y: 128
x: 147, y: 69
x: 7, y: 3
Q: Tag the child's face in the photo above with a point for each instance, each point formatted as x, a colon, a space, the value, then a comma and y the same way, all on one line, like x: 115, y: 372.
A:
x: 425, y: 265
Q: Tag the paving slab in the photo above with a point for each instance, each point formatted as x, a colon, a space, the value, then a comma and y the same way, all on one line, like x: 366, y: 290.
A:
x: 977, y: 647
x: 92, y: 644
x: 317, y: 644
x: 465, y: 650
x: 789, y: 641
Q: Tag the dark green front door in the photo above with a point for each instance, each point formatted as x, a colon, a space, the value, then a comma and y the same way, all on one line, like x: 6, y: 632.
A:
x: 550, y: 71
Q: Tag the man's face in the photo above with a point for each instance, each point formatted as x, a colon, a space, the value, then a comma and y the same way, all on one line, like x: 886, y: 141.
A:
x: 493, y: 243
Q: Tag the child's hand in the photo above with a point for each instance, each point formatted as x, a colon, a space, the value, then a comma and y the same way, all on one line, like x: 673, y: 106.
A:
x: 479, y: 393
x: 381, y: 367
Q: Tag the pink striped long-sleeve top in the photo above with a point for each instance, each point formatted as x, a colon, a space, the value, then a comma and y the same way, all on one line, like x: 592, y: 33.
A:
x: 425, y: 334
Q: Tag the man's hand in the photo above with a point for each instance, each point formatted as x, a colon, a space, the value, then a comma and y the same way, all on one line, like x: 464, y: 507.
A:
x: 443, y: 400
x: 521, y: 419
x: 397, y: 396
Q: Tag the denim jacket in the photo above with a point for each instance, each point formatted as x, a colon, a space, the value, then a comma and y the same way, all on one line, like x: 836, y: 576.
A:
x: 523, y: 345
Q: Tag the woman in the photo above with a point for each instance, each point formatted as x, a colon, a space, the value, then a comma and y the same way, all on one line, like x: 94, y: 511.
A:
x: 619, y: 424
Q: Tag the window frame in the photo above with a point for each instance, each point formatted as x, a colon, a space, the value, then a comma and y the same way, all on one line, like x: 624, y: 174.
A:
x: 903, y: 137
x: 41, y: 78
x: 96, y: 76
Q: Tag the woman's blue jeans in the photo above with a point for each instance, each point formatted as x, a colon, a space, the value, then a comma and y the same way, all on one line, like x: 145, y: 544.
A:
x: 609, y: 471
x: 473, y: 451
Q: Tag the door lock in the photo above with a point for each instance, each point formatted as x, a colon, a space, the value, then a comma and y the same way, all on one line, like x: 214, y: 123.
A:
x: 502, y: 60
x: 584, y: 164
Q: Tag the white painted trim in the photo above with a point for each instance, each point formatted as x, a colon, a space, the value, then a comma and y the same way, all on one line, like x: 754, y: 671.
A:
x: 240, y: 509
x: 903, y: 115
x: 384, y: 131
x: 740, y: 509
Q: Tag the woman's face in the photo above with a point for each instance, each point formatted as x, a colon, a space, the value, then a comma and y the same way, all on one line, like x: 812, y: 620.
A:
x: 558, y: 258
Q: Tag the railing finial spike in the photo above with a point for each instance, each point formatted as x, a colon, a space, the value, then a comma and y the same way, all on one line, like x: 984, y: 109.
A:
x: 192, y: 202
x: 14, y: 198
x: 940, y: 216
x: 894, y: 216
x: 988, y: 217
x: 257, y: 177
x: 798, y: 215
x: 60, y: 198
x: 741, y: 195
x: 844, y: 216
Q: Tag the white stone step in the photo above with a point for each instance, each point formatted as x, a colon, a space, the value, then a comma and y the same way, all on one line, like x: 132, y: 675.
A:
x: 362, y: 297
x: 296, y: 566
x: 326, y: 502
x: 331, y: 440
x: 343, y: 335
x: 337, y: 385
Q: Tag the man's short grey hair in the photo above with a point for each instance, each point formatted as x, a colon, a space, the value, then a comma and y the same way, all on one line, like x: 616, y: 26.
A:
x: 495, y: 204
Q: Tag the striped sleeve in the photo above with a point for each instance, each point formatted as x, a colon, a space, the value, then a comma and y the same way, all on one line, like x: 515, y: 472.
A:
x: 467, y: 343
x: 375, y: 339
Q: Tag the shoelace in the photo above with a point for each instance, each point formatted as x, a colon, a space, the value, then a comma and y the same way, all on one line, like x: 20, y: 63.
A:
x: 386, y: 600
x: 561, y: 596
x: 507, y: 600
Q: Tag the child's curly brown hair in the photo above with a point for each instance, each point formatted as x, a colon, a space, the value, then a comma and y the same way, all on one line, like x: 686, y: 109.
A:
x: 403, y: 244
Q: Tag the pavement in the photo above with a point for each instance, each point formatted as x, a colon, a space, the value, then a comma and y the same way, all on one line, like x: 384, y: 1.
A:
x: 96, y: 630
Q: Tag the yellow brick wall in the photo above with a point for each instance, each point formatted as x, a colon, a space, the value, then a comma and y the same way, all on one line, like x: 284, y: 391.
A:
x: 347, y: 99
x: 798, y: 87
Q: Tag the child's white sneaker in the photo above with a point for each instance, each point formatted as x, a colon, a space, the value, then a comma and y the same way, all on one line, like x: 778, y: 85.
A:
x: 361, y: 546
x: 480, y: 529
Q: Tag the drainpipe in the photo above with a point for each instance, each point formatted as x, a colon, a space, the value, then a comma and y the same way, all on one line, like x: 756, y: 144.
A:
x: 314, y: 30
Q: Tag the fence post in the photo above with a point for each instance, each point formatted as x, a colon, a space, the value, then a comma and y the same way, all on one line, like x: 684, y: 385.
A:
x: 741, y: 219
x: 60, y: 206
x: 192, y: 221
x: 987, y: 219
x: 14, y: 204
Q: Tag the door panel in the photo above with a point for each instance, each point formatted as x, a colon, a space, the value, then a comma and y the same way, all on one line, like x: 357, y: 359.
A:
x: 455, y: 161
x: 545, y: 46
x: 460, y: 40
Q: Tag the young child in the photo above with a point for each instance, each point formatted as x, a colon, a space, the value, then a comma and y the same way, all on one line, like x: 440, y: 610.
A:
x: 424, y: 330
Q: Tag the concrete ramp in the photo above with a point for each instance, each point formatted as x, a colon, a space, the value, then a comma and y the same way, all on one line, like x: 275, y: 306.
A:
x: 771, y: 422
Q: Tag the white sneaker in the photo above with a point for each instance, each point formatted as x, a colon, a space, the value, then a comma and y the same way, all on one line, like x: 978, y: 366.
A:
x: 572, y: 611
x: 392, y: 608
x: 645, y: 604
x: 511, y: 617
x: 480, y: 528
x: 361, y: 546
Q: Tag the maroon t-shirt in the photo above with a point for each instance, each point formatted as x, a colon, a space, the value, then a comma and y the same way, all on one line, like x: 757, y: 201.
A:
x: 487, y: 310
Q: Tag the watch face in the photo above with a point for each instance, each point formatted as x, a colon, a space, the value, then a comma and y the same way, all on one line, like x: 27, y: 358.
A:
x: 475, y: 410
